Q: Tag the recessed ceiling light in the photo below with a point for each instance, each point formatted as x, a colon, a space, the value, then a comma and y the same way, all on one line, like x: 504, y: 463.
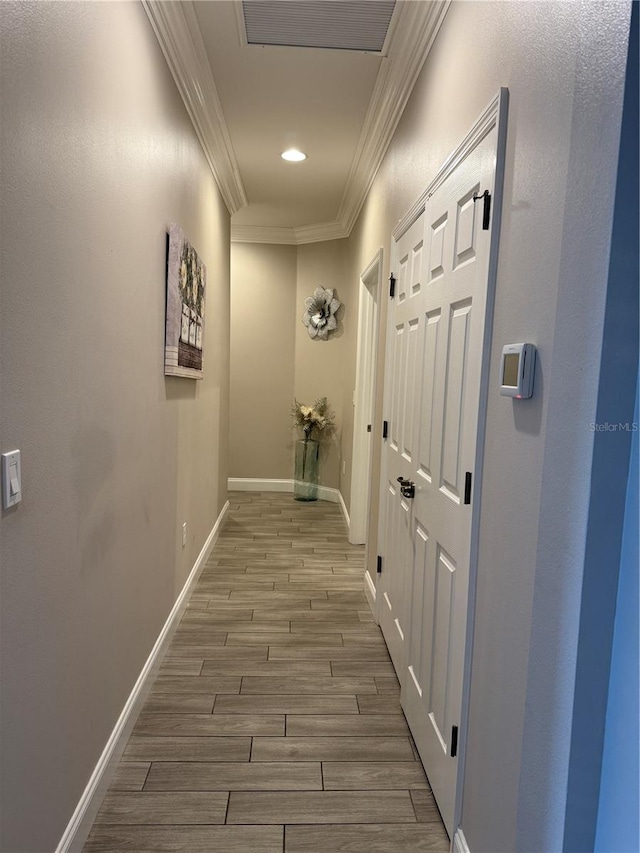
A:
x: 293, y: 155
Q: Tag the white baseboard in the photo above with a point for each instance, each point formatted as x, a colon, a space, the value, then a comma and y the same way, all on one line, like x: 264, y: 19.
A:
x: 252, y: 484
x: 370, y: 592
x: 327, y: 494
x: 460, y: 842
x: 77, y: 831
x: 345, y: 512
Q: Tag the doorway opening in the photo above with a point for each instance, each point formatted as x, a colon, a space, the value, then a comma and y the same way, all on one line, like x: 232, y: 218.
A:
x: 364, y: 398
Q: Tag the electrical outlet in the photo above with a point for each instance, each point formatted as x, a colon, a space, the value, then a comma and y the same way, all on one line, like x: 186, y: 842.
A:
x: 184, y: 535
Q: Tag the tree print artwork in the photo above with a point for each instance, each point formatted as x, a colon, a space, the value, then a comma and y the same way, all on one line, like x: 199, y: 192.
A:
x: 186, y: 286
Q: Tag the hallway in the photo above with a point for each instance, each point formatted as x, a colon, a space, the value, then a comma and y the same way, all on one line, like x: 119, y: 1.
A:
x: 276, y: 711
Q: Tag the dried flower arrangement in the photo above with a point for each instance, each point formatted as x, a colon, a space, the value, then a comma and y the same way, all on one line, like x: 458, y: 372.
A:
x: 310, y: 418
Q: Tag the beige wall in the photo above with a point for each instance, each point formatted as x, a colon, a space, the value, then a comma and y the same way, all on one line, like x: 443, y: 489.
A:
x: 273, y: 359
x: 263, y: 295
x: 98, y: 159
x: 320, y: 364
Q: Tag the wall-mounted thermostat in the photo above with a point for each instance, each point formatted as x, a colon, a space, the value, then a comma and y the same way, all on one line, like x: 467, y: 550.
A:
x: 516, y: 370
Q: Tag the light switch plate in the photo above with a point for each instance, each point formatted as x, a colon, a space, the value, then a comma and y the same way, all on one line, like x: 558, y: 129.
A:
x: 11, y: 479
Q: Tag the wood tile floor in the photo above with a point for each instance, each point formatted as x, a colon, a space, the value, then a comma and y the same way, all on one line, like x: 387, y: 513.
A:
x: 274, y: 725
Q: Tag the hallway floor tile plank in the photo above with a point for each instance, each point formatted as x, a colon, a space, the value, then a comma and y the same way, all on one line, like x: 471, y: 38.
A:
x: 374, y: 775
x: 322, y: 807
x: 365, y: 838
x: 274, y: 724
x: 248, y: 776
x: 219, y: 653
x: 388, y: 703
x: 287, y: 704
x: 131, y: 775
x: 300, y: 685
x: 172, y: 808
x: 339, y: 748
x: 338, y: 725
x: 309, y: 638
x: 185, y: 839
x: 171, y: 748
x: 269, y: 668
x: 178, y: 703
x: 198, y: 725
x: 331, y: 653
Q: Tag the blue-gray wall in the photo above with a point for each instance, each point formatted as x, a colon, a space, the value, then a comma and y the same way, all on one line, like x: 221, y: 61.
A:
x: 598, y: 782
x: 619, y: 795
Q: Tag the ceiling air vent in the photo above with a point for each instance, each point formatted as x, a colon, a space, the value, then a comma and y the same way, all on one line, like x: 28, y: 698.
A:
x: 338, y: 24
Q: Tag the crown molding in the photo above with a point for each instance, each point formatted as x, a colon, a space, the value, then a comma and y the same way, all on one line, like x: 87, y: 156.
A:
x: 413, y: 34
x: 320, y: 232
x: 288, y: 236
x: 412, y: 37
x: 176, y: 28
x: 262, y: 234
x: 411, y: 41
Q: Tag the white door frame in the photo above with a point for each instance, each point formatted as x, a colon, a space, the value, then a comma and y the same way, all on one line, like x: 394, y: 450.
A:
x: 494, y: 116
x: 364, y: 398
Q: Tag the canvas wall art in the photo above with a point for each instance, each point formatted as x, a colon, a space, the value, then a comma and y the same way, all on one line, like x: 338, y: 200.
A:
x: 186, y: 290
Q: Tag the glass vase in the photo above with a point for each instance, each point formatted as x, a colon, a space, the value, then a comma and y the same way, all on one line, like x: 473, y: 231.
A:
x: 305, y: 484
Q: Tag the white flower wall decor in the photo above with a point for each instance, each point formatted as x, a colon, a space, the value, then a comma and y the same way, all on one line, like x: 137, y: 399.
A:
x: 320, y: 313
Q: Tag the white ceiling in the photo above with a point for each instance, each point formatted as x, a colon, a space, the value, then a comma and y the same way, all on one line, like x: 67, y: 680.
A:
x: 249, y: 103
x: 274, y: 98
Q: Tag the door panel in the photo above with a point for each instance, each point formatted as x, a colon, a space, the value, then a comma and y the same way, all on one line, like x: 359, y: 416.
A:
x: 437, y: 233
x: 393, y: 614
x: 445, y: 569
x: 425, y: 426
x: 454, y: 393
x: 397, y: 401
x: 411, y: 376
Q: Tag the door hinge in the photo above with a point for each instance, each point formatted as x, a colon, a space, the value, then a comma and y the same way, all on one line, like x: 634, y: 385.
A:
x: 392, y: 285
x: 385, y: 429
x: 486, y: 213
x: 468, y: 477
x: 454, y: 742
x: 379, y: 565
x: 368, y: 427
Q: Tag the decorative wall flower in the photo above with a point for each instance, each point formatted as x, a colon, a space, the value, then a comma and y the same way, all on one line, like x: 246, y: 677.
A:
x: 320, y: 313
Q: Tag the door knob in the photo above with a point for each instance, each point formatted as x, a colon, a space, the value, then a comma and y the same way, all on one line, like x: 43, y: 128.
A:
x: 407, y: 488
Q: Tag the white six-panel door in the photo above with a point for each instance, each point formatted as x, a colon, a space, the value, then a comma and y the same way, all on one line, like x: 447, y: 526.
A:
x: 437, y: 329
